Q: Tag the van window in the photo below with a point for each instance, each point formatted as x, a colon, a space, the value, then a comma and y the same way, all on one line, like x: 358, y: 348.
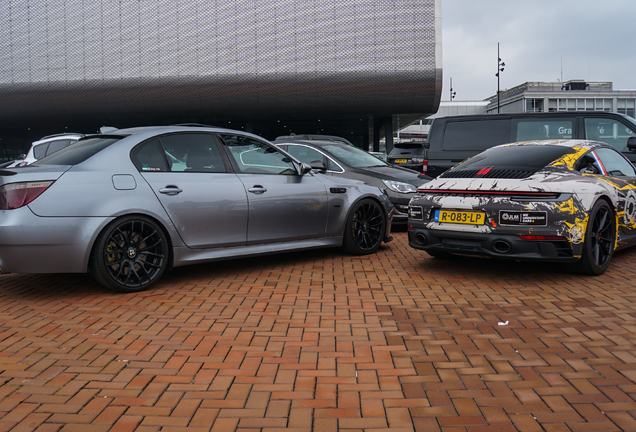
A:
x: 476, y: 135
x: 608, y: 131
x: 528, y: 129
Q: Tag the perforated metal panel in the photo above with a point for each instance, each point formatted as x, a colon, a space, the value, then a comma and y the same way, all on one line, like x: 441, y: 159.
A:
x: 250, y: 58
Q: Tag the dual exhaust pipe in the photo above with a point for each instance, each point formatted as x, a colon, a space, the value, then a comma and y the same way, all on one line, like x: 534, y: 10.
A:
x: 499, y: 246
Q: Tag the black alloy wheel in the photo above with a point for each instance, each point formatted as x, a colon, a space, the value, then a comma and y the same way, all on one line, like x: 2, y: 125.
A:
x: 365, y: 228
x: 130, y: 254
x: 600, y: 238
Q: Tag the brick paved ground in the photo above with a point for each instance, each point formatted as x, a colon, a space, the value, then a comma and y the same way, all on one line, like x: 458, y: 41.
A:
x: 323, y: 341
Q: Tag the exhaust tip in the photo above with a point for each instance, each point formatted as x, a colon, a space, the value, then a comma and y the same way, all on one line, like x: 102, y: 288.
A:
x: 421, y: 239
x: 501, y: 246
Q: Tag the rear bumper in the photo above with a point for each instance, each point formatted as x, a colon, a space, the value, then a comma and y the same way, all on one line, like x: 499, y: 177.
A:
x: 505, y: 246
x: 33, y: 244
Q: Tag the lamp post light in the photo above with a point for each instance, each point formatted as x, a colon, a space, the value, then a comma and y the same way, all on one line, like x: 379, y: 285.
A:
x: 452, y: 93
x: 500, y: 68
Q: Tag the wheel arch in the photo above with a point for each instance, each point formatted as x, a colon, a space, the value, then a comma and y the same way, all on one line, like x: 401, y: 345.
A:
x: 156, y: 220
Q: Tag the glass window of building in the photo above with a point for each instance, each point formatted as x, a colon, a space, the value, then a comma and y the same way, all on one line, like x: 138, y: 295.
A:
x: 534, y: 105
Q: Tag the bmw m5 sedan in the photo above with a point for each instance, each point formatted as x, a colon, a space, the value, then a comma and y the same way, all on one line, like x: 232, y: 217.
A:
x: 569, y: 201
x: 132, y: 203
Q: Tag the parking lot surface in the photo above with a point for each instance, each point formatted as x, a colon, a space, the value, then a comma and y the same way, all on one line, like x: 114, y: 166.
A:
x: 324, y: 341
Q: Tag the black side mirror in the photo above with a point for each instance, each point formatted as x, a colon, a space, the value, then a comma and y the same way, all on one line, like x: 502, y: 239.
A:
x: 304, y: 168
x: 631, y: 143
x: 318, y: 166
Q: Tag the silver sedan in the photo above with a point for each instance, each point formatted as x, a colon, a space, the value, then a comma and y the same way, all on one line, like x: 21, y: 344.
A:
x: 130, y: 204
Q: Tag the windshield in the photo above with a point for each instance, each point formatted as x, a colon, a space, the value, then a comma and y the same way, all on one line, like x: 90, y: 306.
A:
x: 353, y: 156
x: 78, y: 152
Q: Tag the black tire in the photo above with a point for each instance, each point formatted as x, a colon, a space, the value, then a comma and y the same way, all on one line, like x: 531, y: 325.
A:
x: 130, y: 254
x: 600, y: 238
x: 365, y: 229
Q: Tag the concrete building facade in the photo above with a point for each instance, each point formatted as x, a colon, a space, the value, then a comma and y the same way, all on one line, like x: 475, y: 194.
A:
x: 574, y: 95
x: 343, y: 67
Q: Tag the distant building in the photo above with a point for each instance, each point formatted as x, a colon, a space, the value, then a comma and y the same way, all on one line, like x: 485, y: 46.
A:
x: 574, y: 95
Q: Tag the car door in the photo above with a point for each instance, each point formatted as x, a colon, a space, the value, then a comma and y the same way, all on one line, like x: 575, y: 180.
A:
x: 189, y: 174
x: 283, y: 204
x: 622, y: 175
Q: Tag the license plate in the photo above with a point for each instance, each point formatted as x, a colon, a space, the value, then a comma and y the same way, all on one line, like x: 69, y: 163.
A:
x: 460, y: 217
x: 401, y: 161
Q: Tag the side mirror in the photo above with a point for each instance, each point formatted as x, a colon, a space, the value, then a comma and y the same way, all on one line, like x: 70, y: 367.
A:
x: 631, y: 143
x: 305, y: 168
x: 21, y: 157
x: 318, y: 166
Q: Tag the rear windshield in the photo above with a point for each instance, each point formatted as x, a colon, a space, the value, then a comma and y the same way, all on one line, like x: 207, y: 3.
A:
x: 78, y: 152
x: 528, y: 157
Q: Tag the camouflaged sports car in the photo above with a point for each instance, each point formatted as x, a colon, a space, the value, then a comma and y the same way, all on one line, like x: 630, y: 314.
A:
x: 569, y: 201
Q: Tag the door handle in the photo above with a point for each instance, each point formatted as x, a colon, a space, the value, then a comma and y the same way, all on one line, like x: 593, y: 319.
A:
x: 170, y: 190
x: 257, y: 189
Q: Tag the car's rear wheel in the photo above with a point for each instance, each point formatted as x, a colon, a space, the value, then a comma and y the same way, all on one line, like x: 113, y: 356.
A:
x: 130, y: 254
x: 365, y: 228
x: 600, y: 237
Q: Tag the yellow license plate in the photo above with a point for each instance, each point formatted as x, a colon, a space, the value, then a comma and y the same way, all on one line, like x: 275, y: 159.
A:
x: 460, y: 217
x: 401, y: 160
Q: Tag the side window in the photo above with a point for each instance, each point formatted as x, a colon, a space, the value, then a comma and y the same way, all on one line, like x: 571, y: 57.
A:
x: 149, y: 157
x: 57, y: 145
x: 474, y: 135
x: 192, y: 152
x: 544, y: 129
x: 256, y: 157
x: 39, y: 151
x: 608, y: 131
x: 614, y: 163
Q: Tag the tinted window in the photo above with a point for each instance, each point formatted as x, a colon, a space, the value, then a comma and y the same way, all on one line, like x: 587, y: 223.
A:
x: 256, y: 157
x: 475, y: 134
x: 78, y: 152
x: 150, y: 157
x: 39, y: 151
x: 308, y: 155
x: 615, y: 164
x: 608, y: 131
x: 56, y: 146
x: 529, y: 157
x: 544, y: 129
x: 192, y: 152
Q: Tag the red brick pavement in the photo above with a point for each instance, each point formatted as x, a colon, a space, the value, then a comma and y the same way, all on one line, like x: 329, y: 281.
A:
x: 324, y: 341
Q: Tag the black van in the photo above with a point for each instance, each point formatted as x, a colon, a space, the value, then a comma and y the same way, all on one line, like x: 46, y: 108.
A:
x: 453, y: 139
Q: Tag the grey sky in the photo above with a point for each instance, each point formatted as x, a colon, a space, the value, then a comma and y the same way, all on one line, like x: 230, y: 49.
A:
x: 594, y: 40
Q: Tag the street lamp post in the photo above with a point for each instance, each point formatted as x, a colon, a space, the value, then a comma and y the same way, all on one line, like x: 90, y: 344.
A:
x: 500, y: 68
x: 452, y: 93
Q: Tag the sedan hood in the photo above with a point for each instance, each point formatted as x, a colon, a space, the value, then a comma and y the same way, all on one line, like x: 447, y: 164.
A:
x: 395, y: 174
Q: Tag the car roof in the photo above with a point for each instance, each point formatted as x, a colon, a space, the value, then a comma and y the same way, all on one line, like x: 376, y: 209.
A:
x: 313, y: 137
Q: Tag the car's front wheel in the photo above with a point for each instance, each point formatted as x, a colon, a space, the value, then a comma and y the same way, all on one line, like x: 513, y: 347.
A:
x: 365, y: 228
x: 600, y: 237
x: 130, y: 254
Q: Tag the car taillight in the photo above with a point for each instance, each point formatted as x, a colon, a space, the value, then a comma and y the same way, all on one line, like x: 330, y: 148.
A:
x: 417, y: 160
x: 16, y: 195
x: 425, y: 166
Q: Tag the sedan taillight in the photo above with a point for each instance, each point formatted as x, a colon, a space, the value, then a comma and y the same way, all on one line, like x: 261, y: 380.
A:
x: 16, y: 195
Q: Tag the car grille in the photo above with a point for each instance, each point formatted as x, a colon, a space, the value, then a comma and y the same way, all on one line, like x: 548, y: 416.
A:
x: 498, y: 174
